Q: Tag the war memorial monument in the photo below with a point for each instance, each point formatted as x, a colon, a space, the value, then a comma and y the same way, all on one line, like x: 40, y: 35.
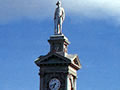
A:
x: 58, y: 69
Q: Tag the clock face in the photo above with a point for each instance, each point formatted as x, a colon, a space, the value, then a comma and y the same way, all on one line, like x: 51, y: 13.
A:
x: 54, y: 84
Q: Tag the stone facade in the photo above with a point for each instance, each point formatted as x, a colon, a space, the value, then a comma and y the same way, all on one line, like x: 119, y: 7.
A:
x: 58, y: 65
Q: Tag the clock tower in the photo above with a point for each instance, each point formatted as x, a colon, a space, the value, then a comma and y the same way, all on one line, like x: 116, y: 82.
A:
x: 58, y: 69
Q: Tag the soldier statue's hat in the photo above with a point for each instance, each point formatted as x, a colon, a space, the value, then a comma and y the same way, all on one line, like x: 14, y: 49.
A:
x: 58, y: 2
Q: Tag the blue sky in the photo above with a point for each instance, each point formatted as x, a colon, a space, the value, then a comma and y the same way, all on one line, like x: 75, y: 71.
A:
x: 92, y: 26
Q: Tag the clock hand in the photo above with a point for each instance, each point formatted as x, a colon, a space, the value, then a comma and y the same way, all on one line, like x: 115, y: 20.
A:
x: 53, y: 85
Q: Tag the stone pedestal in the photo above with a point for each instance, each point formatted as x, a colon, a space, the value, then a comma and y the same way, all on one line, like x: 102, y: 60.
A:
x: 58, y: 69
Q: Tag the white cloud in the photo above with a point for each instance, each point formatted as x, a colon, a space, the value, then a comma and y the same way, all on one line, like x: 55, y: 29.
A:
x: 11, y: 10
x: 96, y: 8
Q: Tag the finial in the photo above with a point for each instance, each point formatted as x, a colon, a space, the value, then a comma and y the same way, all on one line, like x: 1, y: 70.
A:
x: 59, y: 17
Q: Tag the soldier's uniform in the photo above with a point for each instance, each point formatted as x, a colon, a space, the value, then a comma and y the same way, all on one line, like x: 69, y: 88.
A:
x: 59, y: 18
